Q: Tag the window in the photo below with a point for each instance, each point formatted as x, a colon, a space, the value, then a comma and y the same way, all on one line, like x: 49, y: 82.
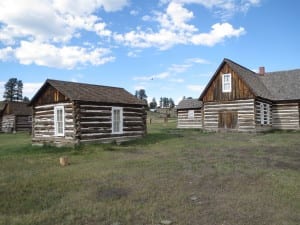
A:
x: 264, y: 114
x: 59, y: 121
x: 226, y: 82
x: 117, y: 120
x: 191, y: 114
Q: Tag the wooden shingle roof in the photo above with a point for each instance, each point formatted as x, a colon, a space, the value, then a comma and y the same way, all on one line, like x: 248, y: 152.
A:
x: 91, y: 93
x: 15, y: 108
x: 189, y: 104
x: 252, y: 79
x: 283, y: 85
x: 275, y: 86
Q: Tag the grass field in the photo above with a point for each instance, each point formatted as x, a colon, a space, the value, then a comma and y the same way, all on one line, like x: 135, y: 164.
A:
x: 184, y: 176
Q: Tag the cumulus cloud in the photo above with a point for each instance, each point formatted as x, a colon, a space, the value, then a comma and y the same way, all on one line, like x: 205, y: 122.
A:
x: 55, y: 25
x: 6, y: 53
x: 49, y: 26
x: 64, y: 57
x: 222, y: 8
x: 219, y: 32
x: 30, y: 19
x: 174, y: 29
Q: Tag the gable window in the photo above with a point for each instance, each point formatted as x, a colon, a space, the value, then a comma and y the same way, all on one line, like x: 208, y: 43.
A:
x: 226, y: 82
x: 191, y: 114
x: 117, y: 120
x: 59, y: 121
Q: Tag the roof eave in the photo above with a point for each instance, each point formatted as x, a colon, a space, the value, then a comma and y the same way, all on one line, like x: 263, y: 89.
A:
x: 211, y: 80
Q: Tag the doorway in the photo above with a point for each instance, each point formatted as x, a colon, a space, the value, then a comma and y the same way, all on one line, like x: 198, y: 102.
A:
x: 228, y: 119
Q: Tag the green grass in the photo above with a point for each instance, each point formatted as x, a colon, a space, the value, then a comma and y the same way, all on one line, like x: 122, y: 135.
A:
x: 186, y: 176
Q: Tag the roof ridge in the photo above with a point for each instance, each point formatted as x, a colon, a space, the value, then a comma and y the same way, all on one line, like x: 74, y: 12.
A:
x: 283, y: 71
x: 229, y: 60
x: 73, y: 82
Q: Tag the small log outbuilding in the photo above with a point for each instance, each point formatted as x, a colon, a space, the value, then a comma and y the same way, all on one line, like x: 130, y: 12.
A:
x: 15, y: 117
x: 238, y: 99
x: 68, y: 113
x: 189, y: 114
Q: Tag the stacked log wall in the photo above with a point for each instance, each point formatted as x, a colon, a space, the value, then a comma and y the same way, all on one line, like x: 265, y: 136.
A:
x: 286, y: 116
x: 244, y: 108
x: 43, y: 130
x: 8, y: 123
x: 94, y: 123
x: 23, y: 123
x: 183, y: 121
x: 259, y: 126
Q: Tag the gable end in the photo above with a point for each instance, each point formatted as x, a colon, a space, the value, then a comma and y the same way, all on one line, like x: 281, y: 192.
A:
x: 214, y: 90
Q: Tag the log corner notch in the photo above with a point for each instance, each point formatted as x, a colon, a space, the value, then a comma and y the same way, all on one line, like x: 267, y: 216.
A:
x: 86, y: 110
x: 76, y: 118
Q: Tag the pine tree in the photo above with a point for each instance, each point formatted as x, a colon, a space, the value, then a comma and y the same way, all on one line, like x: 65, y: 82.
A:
x: 19, y: 94
x: 153, y: 104
x: 11, y: 89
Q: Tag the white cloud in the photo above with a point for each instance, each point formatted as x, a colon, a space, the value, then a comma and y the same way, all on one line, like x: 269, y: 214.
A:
x: 134, y: 12
x: 2, y: 83
x: 179, y: 68
x: 6, y: 53
x: 197, y: 60
x: 219, y: 32
x: 31, y: 19
x: 88, y: 6
x: 174, y: 29
x: 29, y: 89
x: 54, y: 24
x: 176, y: 18
x: 177, y: 80
x: 196, y: 88
x: 222, y: 8
x: 159, y: 76
x: 52, y: 20
x: 64, y: 57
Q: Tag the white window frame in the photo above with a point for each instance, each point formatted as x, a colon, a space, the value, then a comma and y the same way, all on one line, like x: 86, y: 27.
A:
x: 265, y: 114
x: 56, y: 123
x: 226, y: 83
x: 191, y: 114
x: 120, y: 131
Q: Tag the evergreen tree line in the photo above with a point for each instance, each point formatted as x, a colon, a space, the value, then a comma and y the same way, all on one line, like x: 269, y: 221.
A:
x: 164, y: 102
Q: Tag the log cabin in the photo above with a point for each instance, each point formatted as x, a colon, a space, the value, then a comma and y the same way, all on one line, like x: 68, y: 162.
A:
x: 238, y: 99
x: 69, y: 113
x: 15, y: 117
x: 189, y: 114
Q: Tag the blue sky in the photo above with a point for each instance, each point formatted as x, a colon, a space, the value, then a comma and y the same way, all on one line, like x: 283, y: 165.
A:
x: 170, y: 48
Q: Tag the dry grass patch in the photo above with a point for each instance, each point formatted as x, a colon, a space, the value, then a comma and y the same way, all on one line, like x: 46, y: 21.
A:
x: 185, y: 176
